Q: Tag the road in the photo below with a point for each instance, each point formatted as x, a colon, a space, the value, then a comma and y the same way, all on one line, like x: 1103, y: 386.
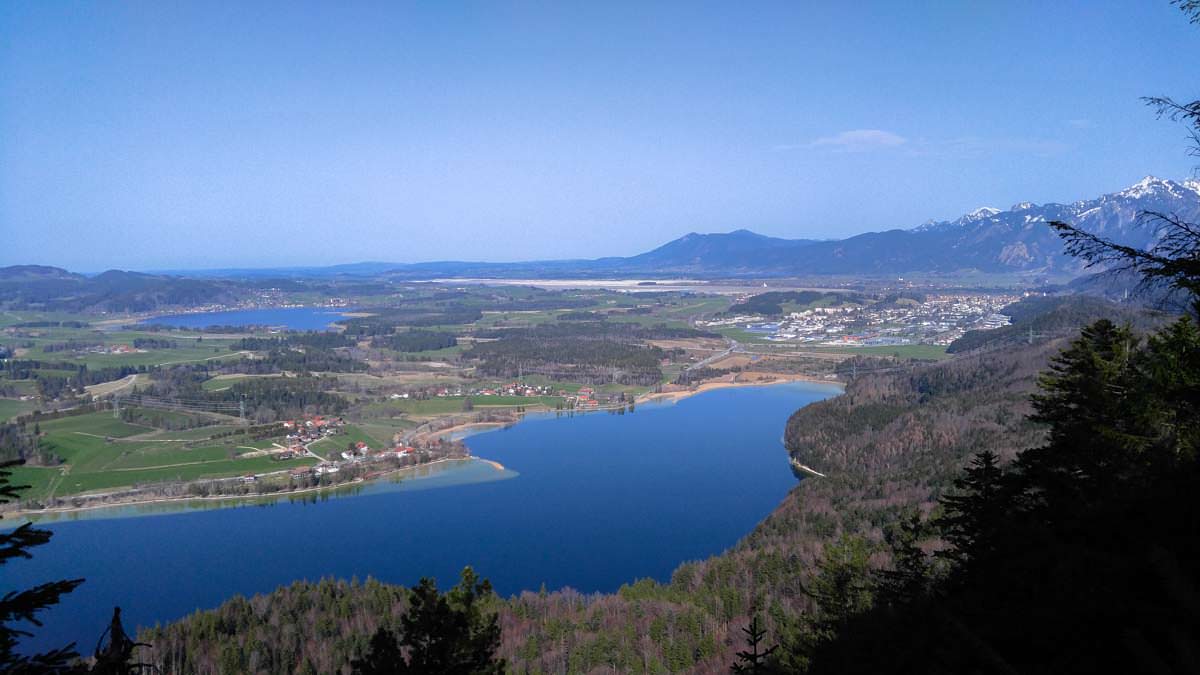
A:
x: 734, y: 346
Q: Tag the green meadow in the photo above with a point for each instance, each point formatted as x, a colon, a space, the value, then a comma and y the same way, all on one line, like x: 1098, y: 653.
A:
x: 331, y: 446
x: 75, y: 483
x: 102, y: 452
x: 11, y: 407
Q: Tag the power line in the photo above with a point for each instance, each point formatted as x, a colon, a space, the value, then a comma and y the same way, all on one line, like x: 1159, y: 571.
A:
x: 175, y: 402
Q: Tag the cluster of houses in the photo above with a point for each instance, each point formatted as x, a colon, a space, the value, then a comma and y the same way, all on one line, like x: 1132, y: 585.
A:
x: 316, y: 427
x: 311, y: 428
x: 307, y: 430
x: 113, y: 349
x: 518, y: 389
x: 939, y: 320
x: 510, y: 389
x: 584, y: 398
x: 362, y: 452
x: 359, y: 454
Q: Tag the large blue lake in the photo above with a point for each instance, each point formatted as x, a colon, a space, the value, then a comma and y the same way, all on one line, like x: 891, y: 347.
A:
x: 589, y: 502
x: 295, y: 318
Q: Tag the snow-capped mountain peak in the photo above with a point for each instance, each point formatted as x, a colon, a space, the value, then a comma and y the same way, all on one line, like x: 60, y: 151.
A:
x: 1019, y: 239
x: 1160, y: 188
x: 982, y: 212
x: 1144, y: 187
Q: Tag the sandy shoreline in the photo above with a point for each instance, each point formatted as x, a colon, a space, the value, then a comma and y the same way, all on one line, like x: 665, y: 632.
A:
x: 25, y: 513
x: 468, y: 426
x: 805, y: 468
x: 663, y: 397
x: 672, y: 396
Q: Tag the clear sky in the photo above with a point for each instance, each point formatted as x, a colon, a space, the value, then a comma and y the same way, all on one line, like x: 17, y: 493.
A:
x: 151, y: 135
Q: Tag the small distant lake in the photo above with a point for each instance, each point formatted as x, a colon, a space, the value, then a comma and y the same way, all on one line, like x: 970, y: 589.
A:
x: 590, y: 501
x: 293, y: 318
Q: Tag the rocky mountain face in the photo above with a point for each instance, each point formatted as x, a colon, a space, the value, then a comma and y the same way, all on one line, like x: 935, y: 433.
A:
x: 986, y: 240
x: 1018, y: 239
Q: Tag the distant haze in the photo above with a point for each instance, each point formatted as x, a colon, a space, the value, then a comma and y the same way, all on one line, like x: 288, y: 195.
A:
x: 202, y: 135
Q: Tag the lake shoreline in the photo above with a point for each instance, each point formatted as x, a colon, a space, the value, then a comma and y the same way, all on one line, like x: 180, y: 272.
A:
x: 586, y: 485
x: 464, y: 430
x: 219, y: 499
x: 674, y: 396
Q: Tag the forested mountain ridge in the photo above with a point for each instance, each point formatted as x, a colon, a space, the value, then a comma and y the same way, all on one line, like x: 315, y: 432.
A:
x: 1078, y: 556
x: 35, y: 287
x: 1053, y: 316
x: 34, y: 273
x: 891, y: 445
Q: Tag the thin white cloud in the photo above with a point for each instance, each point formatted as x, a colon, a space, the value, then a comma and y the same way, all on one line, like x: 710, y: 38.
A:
x: 855, y: 140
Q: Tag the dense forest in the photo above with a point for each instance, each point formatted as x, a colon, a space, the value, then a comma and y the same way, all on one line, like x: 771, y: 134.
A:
x: 772, y: 302
x: 1079, y: 555
x: 1051, y: 316
x: 595, y: 352
x: 266, y: 399
x: 55, y: 379
x: 297, y: 360
x: 18, y: 442
x: 389, y: 321
x: 415, y: 341
x: 295, y: 340
x: 590, y: 361
x: 621, y: 331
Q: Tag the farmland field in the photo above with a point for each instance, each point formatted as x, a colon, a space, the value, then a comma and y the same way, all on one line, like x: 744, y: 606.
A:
x: 329, y: 447
x: 11, y: 407
x: 74, y: 482
x: 101, y: 452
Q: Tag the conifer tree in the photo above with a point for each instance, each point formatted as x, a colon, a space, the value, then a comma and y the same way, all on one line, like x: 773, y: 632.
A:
x: 912, y: 570
x: 755, y: 657
x: 18, y: 606
x: 975, y: 512
x: 450, y: 633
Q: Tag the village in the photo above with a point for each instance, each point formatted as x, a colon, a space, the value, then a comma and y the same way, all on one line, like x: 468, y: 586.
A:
x: 584, y: 397
x: 510, y: 389
x: 303, y: 433
x: 935, y: 320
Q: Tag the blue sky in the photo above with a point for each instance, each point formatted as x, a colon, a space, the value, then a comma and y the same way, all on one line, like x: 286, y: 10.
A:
x: 146, y: 135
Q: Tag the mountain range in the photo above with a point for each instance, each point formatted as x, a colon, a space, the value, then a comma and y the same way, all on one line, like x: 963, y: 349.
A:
x: 986, y: 240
